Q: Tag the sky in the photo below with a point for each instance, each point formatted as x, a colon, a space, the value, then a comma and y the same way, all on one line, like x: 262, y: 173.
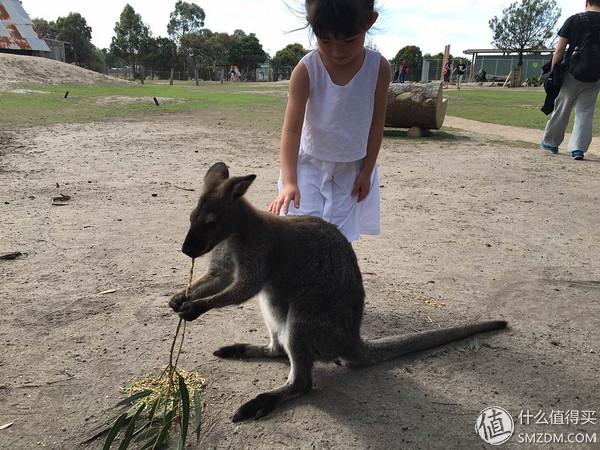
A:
x: 463, y: 24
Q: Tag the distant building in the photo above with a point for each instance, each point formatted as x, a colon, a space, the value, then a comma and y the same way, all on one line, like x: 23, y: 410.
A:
x: 57, y: 49
x: 17, y: 34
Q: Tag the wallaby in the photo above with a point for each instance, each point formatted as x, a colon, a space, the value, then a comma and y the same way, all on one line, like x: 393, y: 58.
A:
x: 310, y: 286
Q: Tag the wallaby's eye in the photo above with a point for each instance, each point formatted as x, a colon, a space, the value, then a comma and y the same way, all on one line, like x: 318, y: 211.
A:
x: 210, y: 219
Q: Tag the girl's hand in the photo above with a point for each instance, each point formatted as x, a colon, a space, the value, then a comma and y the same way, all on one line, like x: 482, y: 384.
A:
x: 362, y: 186
x: 289, y: 193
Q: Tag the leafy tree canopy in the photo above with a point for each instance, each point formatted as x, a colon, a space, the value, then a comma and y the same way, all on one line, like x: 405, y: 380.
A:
x: 186, y: 18
x: 411, y: 53
x: 75, y: 30
x: 246, y: 51
x: 525, y: 25
x: 130, y: 36
x: 45, y: 29
x: 286, y: 59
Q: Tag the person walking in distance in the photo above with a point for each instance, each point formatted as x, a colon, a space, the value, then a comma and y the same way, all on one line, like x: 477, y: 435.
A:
x: 461, y: 69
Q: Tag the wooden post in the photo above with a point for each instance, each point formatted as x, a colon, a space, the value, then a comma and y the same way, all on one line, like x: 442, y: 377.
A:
x: 171, y: 78
x: 472, y: 74
x: 446, y: 57
x: 196, y: 76
x: 142, y: 75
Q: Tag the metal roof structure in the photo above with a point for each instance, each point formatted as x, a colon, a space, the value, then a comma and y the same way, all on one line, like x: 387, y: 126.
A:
x: 16, y: 29
x: 501, y: 51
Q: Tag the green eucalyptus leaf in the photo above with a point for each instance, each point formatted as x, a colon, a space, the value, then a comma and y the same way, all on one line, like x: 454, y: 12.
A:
x: 112, y: 434
x: 165, y: 427
x: 130, y: 429
x: 149, y: 433
x: 197, y: 413
x: 134, y: 397
x: 185, y: 406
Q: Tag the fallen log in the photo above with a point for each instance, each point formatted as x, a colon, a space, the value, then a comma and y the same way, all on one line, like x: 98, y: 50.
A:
x: 416, y: 104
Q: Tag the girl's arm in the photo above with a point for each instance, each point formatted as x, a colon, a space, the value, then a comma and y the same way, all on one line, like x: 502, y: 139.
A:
x: 290, y: 140
x: 363, y: 181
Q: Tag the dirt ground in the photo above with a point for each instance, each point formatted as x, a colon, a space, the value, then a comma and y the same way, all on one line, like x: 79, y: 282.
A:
x: 14, y: 69
x: 474, y: 227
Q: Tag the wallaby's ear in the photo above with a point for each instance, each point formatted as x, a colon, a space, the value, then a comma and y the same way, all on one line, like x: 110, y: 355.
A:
x: 217, y: 173
x: 239, y: 185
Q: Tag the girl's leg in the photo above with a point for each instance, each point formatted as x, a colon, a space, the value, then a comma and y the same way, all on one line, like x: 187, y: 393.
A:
x: 341, y: 208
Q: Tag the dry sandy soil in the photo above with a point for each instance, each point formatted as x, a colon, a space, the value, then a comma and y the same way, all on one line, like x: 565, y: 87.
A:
x: 14, y: 69
x: 474, y: 227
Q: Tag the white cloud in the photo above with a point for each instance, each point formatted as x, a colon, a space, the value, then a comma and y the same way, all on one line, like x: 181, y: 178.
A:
x: 429, y: 24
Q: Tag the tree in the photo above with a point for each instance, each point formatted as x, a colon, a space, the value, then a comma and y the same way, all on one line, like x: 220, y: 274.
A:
x: 45, y: 29
x: 110, y: 59
x: 206, y: 49
x: 286, y: 59
x: 525, y: 25
x: 246, y: 51
x: 411, y: 53
x: 160, y: 54
x: 97, y: 61
x: 75, y: 30
x: 186, y: 18
x: 130, y: 34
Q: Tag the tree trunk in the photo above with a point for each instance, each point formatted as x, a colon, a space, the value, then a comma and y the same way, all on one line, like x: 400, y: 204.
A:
x: 416, y: 104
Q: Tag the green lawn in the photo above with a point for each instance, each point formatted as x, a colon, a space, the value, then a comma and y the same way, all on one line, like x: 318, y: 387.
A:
x: 515, y: 107
x: 47, y: 105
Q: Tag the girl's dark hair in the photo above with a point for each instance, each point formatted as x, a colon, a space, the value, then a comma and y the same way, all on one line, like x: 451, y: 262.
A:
x: 339, y: 18
x: 594, y: 2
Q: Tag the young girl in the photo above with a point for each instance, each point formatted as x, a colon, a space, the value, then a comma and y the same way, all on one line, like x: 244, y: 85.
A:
x: 334, y: 121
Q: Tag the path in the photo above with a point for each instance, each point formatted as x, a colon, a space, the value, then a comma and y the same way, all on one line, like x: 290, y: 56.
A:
x: 507, y: 132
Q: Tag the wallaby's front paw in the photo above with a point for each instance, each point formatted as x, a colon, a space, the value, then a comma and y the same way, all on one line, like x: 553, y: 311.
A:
x: 177, y: 300
x: 191, y: 310
x: 231, y: 351
x: 259, y: 407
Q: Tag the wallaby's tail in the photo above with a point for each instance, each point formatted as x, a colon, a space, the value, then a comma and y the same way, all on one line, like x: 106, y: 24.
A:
x: 379, y: 350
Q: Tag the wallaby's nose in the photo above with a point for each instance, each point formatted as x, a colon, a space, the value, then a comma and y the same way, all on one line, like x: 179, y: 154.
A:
x: 189, y: 249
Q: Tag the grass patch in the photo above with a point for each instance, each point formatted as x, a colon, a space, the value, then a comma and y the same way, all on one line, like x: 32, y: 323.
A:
x: 514, y: 107
x: 103, y: 101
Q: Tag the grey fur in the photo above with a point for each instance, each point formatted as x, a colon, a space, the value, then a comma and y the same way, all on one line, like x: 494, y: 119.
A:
x: 310, y: 286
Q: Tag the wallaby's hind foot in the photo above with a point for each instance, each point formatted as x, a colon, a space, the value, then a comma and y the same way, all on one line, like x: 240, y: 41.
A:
x: 299, y: 382
x: 265, y: 403
x: 256, y: 408
x: 248, y: 351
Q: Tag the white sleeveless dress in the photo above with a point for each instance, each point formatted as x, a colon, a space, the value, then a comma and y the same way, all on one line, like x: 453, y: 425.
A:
x: 333, y: 145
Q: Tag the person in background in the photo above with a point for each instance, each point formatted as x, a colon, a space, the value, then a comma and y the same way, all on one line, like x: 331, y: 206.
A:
x: 403, y: 71
x: 581, y: 84
x: 461, y: 69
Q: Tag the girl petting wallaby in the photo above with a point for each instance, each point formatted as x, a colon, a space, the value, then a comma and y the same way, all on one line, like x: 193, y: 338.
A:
x: 334, y: 121
x: 310, y: 286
